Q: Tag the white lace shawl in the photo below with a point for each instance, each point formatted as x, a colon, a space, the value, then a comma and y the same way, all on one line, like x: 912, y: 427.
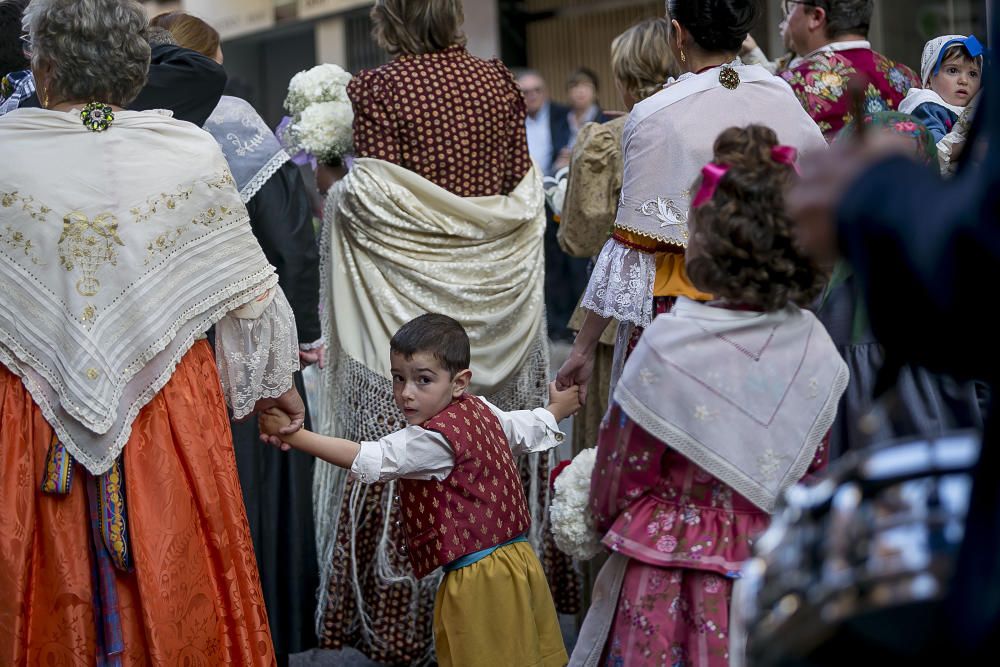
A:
x: 117, y: 251
x: 746, y: 396
x: 667, y: 139
x: 250, y: 147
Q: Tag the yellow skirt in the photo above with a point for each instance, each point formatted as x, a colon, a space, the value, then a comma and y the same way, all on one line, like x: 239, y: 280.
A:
x: 498, y: 612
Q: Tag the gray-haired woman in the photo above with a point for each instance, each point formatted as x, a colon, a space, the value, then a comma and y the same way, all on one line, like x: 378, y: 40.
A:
x: 122, y: 240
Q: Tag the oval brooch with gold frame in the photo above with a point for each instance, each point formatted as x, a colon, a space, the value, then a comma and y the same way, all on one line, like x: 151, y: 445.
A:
x: 729, y: 78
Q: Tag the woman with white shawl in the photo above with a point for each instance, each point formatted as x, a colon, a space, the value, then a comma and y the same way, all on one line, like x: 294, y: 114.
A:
x: 640, y: 273
x: 123, y: 239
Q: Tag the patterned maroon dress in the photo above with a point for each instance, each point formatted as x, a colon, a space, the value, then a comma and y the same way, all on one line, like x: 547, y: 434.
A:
x: 456, y: 120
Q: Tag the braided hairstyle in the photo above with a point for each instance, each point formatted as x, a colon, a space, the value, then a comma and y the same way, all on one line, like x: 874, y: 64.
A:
x: 741, y: 247
x: 717, y: 26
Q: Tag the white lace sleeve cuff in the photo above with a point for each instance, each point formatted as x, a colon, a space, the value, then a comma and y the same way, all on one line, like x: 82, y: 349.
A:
x: 257, y: 357
x: 315, y: 345
x: 621, y: 285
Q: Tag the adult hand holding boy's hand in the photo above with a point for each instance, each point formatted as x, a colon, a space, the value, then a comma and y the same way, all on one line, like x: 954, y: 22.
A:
x: 563, y: 403
x: 271, y: 422
x: 291, y: 404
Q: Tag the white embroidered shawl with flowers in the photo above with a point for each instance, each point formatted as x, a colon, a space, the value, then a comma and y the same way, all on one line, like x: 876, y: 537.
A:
x: 117, y: 250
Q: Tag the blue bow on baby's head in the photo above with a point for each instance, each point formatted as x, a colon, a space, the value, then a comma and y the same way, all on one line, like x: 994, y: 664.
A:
x: 971, y: 44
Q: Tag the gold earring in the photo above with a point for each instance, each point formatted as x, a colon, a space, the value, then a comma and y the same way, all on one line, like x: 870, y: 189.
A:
x: 684, y: 58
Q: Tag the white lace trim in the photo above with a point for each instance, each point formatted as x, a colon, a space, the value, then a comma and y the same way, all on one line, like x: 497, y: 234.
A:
x: 315, y: 345
x: 266, y: 172
x: 257, y: 357
x: 621, y: 285
x: 234, y: 296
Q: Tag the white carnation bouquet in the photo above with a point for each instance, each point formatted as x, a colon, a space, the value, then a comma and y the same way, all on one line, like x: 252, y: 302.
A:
x: 571, y: 520
x: 322, y: 118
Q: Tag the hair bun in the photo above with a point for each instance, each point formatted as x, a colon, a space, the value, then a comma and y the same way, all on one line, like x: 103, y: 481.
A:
x: 745, y: 147
x: 716, y: 25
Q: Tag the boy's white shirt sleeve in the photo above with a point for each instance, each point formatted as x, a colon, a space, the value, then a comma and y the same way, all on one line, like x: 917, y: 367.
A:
x: 417, y: 453
x: 412, y: 453
x: 528, y: 431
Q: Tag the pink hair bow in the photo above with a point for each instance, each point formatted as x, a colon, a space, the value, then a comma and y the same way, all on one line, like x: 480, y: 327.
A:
x: 711, y: 174
x: 785, y: 155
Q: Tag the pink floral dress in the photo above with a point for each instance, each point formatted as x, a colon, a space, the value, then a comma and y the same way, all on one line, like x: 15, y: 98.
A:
x: 685, y: 534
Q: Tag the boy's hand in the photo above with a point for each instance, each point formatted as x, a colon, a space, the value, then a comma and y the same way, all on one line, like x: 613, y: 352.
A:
x: 271, y: 422
x: 563, y: 403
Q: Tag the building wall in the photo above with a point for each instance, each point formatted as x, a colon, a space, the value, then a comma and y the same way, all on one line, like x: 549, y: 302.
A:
x: 568, y: 40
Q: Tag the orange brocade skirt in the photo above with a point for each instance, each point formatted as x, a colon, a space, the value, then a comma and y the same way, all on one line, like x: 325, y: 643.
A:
x: 194, y: 596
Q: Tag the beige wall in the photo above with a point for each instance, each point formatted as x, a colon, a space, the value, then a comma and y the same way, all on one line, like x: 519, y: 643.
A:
x: 154, y: 8
x: 482, y: 24
x: 579, y: 38
x: 331, y: 46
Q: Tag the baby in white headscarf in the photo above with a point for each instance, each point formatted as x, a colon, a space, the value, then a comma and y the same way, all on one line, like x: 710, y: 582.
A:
x: 951, y: 69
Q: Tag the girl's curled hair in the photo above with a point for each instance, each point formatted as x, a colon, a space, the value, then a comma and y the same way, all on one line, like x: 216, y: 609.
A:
x: 744, y: 251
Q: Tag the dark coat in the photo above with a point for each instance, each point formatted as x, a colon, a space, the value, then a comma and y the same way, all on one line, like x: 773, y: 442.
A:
x: 927, y: 253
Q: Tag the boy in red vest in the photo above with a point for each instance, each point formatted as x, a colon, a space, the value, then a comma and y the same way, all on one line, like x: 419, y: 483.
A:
x: 463, y: 503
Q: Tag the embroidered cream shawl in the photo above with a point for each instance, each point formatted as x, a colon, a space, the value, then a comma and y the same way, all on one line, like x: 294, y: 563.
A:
x: 669, y: 137
x: 397, y: 246
x: 746, y: 396
x: 117, y: 249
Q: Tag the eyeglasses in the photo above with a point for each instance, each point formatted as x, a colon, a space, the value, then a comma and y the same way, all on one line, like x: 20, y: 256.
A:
x: 787, y: 6
x: 26, y: 45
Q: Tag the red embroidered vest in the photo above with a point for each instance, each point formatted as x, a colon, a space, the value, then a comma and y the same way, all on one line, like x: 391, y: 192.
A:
x: 480, y: 505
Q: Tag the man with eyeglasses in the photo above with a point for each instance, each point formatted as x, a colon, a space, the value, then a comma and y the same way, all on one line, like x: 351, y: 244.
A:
x: 832, y: 36
x: 752, y: 54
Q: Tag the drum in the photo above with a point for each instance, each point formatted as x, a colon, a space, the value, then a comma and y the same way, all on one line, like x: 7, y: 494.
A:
x: 856, y: 565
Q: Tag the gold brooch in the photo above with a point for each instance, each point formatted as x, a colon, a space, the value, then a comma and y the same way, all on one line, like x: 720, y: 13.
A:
x: 729, y: 78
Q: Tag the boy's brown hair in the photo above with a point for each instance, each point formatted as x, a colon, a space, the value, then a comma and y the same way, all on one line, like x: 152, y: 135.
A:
x: 438, y: 335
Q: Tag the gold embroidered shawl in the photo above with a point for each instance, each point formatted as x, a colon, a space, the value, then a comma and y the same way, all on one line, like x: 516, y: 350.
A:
x: 117, y: 249
x: 396, y: 246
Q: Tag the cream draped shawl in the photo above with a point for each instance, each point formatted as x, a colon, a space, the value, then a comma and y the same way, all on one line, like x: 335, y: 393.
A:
x: 117, y: 250
x: 397, y: 246
x: 746, y: 396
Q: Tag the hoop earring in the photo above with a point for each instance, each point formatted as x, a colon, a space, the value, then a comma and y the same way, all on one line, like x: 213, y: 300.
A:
x: 684, y: 58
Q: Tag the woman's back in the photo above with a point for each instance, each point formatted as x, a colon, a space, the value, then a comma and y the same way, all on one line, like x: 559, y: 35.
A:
x: 679, y: 125
x: 448, y: 116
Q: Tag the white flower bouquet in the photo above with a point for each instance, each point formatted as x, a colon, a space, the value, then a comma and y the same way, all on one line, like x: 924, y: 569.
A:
x: 323, y: 83
x: 322, y: 122
x: 571, y: 520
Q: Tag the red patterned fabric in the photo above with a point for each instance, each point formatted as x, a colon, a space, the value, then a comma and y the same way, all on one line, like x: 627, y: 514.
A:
x: 448, y: 116
x: 480, y: 505
x: 685, y: 534
x: 820, y: 83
